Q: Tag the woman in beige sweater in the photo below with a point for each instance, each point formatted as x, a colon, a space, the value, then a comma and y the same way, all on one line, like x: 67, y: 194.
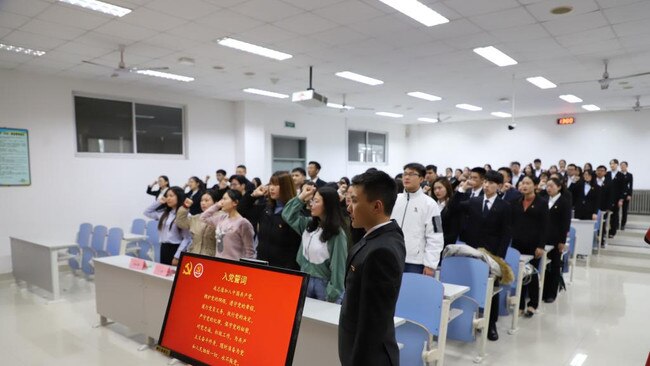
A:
x: 203, y: 234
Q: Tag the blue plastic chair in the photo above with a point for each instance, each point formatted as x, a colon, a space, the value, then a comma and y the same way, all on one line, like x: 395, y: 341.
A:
x: 97, y: 243
x: 83, y: 240
x: 569, y: 254
x: 512, y: 259
x: 420, y: 303
x: 138, y: 226
x: 113, y: 243
x: 152, y: 237
x: 98, y: 240
x: 473, y: 273
x: 597, y: 226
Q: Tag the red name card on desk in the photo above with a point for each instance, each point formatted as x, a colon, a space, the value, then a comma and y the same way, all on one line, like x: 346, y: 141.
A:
x: 163, y: 270
x: 223, y: 312
x: 137, y: 263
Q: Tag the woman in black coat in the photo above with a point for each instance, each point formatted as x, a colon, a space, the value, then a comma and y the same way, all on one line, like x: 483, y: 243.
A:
x: 586, y: 197
x: 559, y: 224
x: 529, y: 221
x: 449, y: 210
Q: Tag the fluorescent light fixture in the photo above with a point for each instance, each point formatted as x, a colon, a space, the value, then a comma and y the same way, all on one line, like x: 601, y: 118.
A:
x: 495, y: 56
x: 265, y: 93
x: 541, y: 82
x: 339, y: 106
x: 426, y: 119
x: 570, y: 98
x: 578, y: 359
x: 254, y: 49
x: 23, y: 50
x: 501, y: 114
x: 591, y: 107
x: 165, y: 75
x: 469, y: 107
x: 425, y: 96
x: 388, y: 114
x: 359, y: 78
x: 418, y: 11
x: 99, y: 6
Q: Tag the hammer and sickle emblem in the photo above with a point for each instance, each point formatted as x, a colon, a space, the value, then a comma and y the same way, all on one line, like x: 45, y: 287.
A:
x: 187, y: 269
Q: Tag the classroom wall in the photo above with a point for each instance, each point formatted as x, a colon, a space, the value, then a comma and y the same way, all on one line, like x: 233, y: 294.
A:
x: 595, y: 137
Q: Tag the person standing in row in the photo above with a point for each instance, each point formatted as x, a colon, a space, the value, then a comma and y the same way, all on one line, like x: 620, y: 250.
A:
x: 196, y: 189
x: 586, y: 197
x: 443, y: 192
x: 529, y: 220
x: 163, y: 185
x: 203, y: 238
x: 298, y: 175
x: 277, y: 243
x: 233, y: 233
x: 324, y: 247
x: 628, y: 189
x: 374, y: 275
x: 313, y: 169
x: 559, y: 223
x: 615, y: 191
x: 171, y: 237
x: 418, y: 216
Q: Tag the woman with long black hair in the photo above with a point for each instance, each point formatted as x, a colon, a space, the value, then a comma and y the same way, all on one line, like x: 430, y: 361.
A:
x: 163, y: 185
x: 586, y: 197
x: 197, y: 187
x: 203, y: 236
x: 172, y: 239
x: 323, y: 250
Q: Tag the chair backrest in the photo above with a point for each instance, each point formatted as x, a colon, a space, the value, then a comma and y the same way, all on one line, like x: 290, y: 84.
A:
x: 420, y: 300
x: 138, y: 226
x: 572, y: 240
x: 152, y: 237
x: 114, y: 241
x: 83, y: 236
x: 413, y: 338
x: 98, y: 239
x: 466, y: 271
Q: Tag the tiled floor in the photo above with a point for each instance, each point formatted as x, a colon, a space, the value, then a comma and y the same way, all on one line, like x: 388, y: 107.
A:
x: 604, y: 315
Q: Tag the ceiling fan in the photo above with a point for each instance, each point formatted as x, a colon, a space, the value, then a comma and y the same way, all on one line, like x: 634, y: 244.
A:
x: 637, y: 106
x: 344, y: 107
x: 121, y: 66
x: 605, y: 80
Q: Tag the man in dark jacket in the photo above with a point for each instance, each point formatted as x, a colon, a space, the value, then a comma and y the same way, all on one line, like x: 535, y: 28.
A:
x: 373, y: 277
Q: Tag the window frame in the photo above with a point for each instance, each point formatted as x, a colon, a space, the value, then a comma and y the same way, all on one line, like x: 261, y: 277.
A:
x: 134, y: 154
x: 367, y: 132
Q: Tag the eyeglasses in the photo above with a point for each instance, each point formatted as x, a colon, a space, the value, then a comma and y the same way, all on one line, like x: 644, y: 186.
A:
x: 411, y: 175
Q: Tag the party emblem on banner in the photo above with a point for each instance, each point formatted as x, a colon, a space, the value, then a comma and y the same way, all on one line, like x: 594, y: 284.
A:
x: 198, y: 270
x: 187, y: 269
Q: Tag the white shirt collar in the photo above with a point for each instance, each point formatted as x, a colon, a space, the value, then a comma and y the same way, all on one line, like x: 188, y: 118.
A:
x: 377, y: 227
x: 552, y: 200
x: 490, y: 200
x: 476, y: 192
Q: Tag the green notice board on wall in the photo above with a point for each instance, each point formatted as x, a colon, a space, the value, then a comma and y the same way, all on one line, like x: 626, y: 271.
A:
x: 14, y: 157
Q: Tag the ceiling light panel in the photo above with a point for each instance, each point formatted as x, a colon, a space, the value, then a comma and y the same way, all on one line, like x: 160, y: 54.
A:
x: 570, y: 98
x: 426, y: 119
x: 389, y: 114
x: 591, y: 107
x: 417, y: 11
x: 541, y: 82
x: 265, y: 93
x: 254, y: 49
x: 425, y: 96
x: 23, y: 50
x: 165, y: 75
x: 495, y: 56
x: 359, y: 78
x: 469, y: 107
x: 99, y: 6
x: 501, y: 114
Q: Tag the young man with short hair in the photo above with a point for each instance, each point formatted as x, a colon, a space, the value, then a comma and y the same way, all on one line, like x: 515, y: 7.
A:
x: 373, y: 275
x: 615, y: 189
x: 241, y: 170
x: 538, y: 168
x: 313, y: 169
x: 516, y: 173
x: 418, y: 216
x: 627, y: 192
x: 298, y: 175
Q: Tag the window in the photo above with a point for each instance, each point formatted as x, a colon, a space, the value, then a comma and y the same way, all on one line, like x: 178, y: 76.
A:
x: 124, y: 127
x: 288, y: 153
x: 366, y: 147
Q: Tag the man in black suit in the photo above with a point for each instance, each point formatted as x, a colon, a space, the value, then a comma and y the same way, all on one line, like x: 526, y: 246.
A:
x: 373, y: 276
x: 475, y: 181
x: 627, y: 192
x: 313, y: 169
x: 615, y: 183
x: 489, y: 226
x: 515, y: 166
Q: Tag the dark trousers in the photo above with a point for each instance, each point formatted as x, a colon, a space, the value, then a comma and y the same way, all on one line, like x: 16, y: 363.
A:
x: 531, y: 290
x: 613, y: 220
x: 167, y: 251
x: 413, y: 268
x: 494, y: 311
x: 626, y: 207
x: 553, y: 274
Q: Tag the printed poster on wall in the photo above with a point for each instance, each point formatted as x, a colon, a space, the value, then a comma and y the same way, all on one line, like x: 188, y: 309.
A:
x: 14, y: 157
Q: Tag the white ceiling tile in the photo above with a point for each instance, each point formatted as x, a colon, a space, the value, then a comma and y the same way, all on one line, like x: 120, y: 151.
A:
x: 61, y: 31
x: 312, y: 4
x: 503, y: 19
x: 606, y: 48
x: 456, y: 28
x: 425, y: 50
x: 529, y: 32
x: 350, y: 13
x: 125, y: 31
x: 102, y: 40
x: 386, y: 24
x: 31, y: 40
x: 145, y: 49
x: 40, y: 62
x: 8, y: 65
x: 229, y: 21
x: 10, y: 20
x: 268, y: 11
x: 472, y: 41
x: 631, y: 28
x: 305, y: 24
x: 28, y: 8
x: 169, y: 41
x: 636, y: 43
x: 605, y: 4
x: 188, y: 9
x: 405, y: 38
x: 266, y: 34
x: 196, y: 32
x: 4, y: 31
x: 61, y: 56
x: 299, y: 45
x: 147, y: 18
x: 339, y: 36
x: 542, y: 10
x: 576, y: 24
x: 69, y: 15
x: 13, y: 57
x: 628, y: 13
x: 590, y: 36
x: 84, y: 50
x: 470, y: 8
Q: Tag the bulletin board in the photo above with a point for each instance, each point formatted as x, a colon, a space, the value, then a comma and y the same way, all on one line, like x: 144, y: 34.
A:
x: 14, y: 157
x: 223, y: 312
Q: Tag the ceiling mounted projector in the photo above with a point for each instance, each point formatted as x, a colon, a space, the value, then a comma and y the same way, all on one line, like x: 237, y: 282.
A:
x: 309, y: 98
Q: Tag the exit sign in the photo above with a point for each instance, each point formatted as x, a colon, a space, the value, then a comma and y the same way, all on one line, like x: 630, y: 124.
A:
x: 566, y: 121
x: 289, y: 124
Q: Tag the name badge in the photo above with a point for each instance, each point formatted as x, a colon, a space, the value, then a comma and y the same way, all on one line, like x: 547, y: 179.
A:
x: 138, y: 263
x: 163, y: 270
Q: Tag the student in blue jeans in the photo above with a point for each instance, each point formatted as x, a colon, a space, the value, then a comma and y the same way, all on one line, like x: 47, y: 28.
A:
x: 323, y: 250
